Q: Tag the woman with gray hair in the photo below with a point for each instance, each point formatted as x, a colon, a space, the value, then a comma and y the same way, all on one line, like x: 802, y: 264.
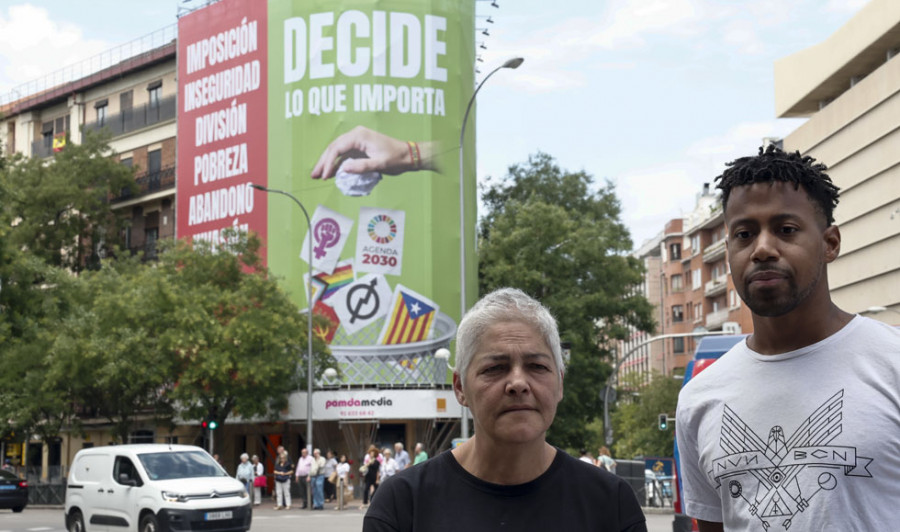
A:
x: 510, y: 375
x: 245, y: 473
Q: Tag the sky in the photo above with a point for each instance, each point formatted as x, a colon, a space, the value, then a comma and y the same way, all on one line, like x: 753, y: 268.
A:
x: 652, y: 96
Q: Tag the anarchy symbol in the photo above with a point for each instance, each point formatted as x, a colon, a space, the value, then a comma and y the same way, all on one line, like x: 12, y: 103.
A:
x: 356, y: 310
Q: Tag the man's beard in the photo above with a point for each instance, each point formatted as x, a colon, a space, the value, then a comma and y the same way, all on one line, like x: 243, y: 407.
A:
x: 772, y: 306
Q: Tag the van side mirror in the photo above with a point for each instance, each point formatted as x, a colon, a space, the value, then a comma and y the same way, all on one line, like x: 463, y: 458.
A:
x: 127, y: 480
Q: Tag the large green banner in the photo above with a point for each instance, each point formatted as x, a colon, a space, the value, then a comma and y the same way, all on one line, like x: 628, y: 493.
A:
x: 366, y: 100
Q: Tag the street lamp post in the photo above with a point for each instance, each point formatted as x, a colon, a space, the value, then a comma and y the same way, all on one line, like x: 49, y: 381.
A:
x: 510, y: 63
x: 309, y: 327
x: 607, y: 428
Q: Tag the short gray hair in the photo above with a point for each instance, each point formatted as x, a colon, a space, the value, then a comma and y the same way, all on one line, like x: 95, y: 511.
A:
x: 501, y: 306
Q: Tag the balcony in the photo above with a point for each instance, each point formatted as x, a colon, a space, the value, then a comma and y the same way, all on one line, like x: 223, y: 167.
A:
x: 42, y: 148
x: 714, y: 320
x: 714, y: 251
x: 148, y: 183
x: 716, y: 286
x: 136, y: 118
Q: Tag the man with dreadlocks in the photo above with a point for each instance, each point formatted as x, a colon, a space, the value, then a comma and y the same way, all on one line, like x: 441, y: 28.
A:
x: 798, y: 426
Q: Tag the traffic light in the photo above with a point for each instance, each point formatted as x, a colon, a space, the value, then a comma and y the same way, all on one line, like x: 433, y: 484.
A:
x: 209, y: 424
x: 664, y: 422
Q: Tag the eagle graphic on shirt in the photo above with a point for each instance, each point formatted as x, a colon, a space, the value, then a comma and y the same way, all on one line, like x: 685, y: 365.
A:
x: 778, y: 476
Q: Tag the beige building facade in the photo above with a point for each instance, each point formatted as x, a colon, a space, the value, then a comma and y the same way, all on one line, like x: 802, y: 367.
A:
x: 849, y: 87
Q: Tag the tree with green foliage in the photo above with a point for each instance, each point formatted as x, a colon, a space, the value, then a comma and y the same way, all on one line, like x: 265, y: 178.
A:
x: 60, y: 207
x: 240, y: 344
x: 558, y: 237
x: 637, y: 422
x: 53, y: 213
x: 108, y: 353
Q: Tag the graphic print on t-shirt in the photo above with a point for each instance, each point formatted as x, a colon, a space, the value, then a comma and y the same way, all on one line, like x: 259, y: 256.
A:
x: 777, y: 478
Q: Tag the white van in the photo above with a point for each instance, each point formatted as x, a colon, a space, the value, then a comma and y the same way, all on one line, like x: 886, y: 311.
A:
x: 153, y: 488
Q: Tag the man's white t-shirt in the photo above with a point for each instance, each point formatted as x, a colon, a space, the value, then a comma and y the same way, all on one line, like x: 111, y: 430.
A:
x: 807, y: 440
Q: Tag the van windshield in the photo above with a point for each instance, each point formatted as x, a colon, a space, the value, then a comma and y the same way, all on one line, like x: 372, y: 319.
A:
x: 190, y: 464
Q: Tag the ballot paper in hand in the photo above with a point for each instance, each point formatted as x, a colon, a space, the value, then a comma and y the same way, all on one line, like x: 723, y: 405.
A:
x: 351, y: 184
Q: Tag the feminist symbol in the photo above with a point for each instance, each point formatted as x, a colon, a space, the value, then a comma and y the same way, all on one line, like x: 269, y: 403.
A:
x: 327, y: 233
x: 356, y: 310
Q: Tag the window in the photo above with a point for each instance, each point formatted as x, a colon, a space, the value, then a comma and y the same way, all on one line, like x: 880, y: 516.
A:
x: 677, y: 283
x: 696, y: 278
x: 141, y: 436
x: 47, y: 134
x: 125, y: 102
x: 675, y: 251
x: 678, y: 345
x: 734, y: 299
x: 100, y: 108
x: 154, y: 166
x: 154, y: 93
x: 719, y: 269
x: 695, y: 244
x: 151, y: 235
x: 677, y: 313
x: 124, y: 470
x: 698, y: 312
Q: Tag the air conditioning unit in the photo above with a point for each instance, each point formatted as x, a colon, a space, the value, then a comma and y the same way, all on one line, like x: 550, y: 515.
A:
x: 731, y: 327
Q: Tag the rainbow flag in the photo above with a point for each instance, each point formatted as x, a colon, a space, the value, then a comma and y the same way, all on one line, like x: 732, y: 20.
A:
x: 411, y: 318
x: 324, y: 284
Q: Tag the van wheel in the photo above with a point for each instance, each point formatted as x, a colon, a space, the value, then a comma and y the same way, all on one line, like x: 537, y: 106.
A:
x: 75, y: 522
x: 149, y: 524
x: 18, y: 509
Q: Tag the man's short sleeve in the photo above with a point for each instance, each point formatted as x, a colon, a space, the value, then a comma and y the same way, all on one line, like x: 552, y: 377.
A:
x: 701, y: 500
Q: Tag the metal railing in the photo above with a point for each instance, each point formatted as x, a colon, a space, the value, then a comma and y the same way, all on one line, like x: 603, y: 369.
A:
x: 148, y: 183
x: 92, y: 65
x: 136, y: 118
x: 363, y: 362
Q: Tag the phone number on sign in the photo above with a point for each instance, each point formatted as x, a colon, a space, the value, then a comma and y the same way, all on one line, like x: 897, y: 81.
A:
x: 357, y: 413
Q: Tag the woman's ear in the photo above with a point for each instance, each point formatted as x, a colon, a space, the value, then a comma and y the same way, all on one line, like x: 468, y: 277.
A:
x: 458, y: 389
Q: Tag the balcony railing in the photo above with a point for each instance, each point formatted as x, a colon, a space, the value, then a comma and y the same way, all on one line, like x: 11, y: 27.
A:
x: 136, y: 118
x: 148, y: 183
x: 714, y: 251
x: 714, y: 320
x: 42, y: 148
x: 716, y: 286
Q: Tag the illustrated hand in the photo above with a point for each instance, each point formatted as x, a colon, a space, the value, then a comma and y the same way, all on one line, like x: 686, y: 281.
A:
x: 369, y: 150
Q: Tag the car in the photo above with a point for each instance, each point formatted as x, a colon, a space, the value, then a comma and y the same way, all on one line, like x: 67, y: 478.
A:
x: 13, y: 491
x: 153, y: 487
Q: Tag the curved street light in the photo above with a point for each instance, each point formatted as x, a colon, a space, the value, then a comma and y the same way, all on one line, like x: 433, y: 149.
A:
x: 309, y: 327
x: 510, y: 63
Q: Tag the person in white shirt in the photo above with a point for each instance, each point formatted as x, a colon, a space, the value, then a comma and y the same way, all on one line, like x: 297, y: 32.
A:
x: 388, y: 465
x: 796, y: 427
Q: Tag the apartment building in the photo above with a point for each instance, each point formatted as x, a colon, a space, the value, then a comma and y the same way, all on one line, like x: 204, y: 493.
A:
x: 128, y: 92
x: 849, y: 88
x: 688, y: 281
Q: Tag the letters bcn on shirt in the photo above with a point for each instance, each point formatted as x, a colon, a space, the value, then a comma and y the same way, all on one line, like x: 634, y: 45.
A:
x: 355, y: 403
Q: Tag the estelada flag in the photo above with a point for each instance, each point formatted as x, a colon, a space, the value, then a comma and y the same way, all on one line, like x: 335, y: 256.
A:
x: 411, y: 318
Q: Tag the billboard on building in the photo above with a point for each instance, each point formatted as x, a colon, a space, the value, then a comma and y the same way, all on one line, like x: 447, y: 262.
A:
x: 354, y: 107
x: 222, y: 120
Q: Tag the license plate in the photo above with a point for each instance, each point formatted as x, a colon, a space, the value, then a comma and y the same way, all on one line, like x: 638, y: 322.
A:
x: 7, y: 487
x: 215, y: 516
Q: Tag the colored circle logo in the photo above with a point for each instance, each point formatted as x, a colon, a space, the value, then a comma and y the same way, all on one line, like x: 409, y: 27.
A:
x: 382, y: 229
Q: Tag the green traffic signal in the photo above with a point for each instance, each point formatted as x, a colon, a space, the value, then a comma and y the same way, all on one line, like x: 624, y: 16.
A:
x: 213, y: 424
x: 663, y: 422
